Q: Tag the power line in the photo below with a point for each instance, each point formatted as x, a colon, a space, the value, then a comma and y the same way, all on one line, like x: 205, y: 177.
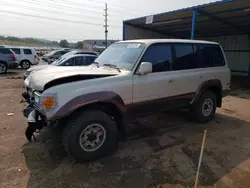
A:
x: 116, y: 5
x: 51, y: 12
x: 57, y: 19
x: 58, y: 6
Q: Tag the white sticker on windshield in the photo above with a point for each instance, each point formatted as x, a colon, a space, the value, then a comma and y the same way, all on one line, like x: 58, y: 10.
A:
x: 133, y: 45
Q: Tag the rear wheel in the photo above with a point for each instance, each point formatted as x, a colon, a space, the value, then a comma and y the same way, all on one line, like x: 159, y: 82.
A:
x: 204, y: 109
x: 3, y: 68
x: 90, y: 135
x: 25, y: 64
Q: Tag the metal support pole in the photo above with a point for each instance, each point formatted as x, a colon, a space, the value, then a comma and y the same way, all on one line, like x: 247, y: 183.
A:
x: 106, y: 24
x: 123, y: 31
x: 193, y: 25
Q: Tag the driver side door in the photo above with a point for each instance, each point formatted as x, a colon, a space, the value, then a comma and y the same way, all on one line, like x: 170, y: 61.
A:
x: 151, y: 90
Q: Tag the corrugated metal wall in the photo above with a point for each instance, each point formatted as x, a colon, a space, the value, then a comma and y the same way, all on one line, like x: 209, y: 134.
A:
x: 237, y: 49
x: 138, y: 33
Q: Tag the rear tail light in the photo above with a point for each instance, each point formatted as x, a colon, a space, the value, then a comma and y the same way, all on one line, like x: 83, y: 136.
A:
x: 13, y: 57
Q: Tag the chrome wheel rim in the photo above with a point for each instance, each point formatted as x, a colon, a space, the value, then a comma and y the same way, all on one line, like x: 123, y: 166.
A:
x: 207, y: 107
x: 2, y: 68
x: 92, y: 137
x: 26, y: 64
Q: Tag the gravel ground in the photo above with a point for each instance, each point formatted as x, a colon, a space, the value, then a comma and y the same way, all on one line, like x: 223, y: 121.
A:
x: 162, y: 152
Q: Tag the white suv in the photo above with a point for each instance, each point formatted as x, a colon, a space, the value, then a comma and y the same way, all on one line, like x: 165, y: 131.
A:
x: 26, y: 56
x: 130, y: 78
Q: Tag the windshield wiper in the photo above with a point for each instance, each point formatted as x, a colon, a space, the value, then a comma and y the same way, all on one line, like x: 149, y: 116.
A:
x: 112, y: 66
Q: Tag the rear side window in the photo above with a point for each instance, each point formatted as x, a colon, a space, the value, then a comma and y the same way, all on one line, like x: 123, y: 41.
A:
x: 16, y: 50
x: 27, y: 51
x: 160, y: 57
x: 5, y: 51
x: 186, y: 57
x: 212, y: 56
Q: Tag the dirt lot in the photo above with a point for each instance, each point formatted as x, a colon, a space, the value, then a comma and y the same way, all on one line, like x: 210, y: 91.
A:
x: 164, y: 154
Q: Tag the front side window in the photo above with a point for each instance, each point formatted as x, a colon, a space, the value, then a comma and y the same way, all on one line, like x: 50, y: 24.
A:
x: 160, y: 57
x: 89, y: 60
x: 212, y: 56
x: 122, y: 55
x: 79, y: 61
x: 27, y: 51
x: 16, y: 50
x: 69, y: 62
x: 186, y: 57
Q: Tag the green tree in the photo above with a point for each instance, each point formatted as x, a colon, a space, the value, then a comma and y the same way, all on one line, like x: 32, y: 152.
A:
x: 64, y: 43
x: 79, y: 45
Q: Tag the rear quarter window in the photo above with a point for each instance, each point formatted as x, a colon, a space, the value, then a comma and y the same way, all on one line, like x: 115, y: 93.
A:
x: 5, y: 51
x: 27, y: 51
x: 212, y: 55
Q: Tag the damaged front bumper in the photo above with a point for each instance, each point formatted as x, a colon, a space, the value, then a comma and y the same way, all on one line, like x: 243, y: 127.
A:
x: 35, y: 122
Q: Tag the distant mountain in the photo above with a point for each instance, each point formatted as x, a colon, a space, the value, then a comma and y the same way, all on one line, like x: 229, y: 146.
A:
x: 11, y: 40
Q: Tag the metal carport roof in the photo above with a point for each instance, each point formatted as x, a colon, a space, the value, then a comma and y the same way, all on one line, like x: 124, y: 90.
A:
x: 213, y: 19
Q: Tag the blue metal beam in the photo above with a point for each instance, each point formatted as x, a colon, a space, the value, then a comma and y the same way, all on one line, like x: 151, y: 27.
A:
x: 123, y: 30
x: 193, y: 24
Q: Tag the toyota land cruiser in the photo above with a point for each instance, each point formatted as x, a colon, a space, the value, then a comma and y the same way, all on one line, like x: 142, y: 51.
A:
x: 130, y: 78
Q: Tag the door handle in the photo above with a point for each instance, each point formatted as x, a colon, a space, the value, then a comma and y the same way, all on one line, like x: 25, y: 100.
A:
x: 170, y: 81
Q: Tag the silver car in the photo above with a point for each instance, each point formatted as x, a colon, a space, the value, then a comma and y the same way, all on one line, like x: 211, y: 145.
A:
x: 8, y: 60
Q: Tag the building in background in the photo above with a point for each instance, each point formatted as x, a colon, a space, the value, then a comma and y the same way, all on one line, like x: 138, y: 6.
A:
x: 96, y: 45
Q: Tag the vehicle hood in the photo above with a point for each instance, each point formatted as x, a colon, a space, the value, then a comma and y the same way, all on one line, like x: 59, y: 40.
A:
x: 40, y: 78
x: 37, y: 67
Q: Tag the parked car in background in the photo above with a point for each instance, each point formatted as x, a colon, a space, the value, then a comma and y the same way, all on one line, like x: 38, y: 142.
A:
x: 26, y: 56
x: 8, y: 60
x: 70, y: 60
x: 56, y: 54
x: 75, y: 52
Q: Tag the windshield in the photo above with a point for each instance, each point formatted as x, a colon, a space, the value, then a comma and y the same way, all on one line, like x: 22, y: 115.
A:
x: 51, y: 53
x: 122, y: 55
x: 58, y: 61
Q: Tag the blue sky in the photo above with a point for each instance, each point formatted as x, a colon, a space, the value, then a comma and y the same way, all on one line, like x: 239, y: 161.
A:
x: 76, y: 20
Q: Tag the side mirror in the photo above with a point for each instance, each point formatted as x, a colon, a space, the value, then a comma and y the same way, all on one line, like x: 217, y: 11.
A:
x: 145, y: 68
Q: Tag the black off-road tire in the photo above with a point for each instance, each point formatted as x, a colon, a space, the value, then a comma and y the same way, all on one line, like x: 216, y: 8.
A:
x: 75, y: 126
x: 25, y: 64
x: 196, y: 109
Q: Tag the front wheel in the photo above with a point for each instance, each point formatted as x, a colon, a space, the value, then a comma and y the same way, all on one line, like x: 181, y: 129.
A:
x: 90, y: 135
x: 204, y: 109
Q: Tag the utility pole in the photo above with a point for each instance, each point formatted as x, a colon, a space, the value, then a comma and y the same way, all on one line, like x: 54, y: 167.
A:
x: 106, y: 24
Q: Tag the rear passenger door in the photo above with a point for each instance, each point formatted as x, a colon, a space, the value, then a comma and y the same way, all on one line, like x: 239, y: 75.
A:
x: 27, y: 54
x: 186, y: 71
